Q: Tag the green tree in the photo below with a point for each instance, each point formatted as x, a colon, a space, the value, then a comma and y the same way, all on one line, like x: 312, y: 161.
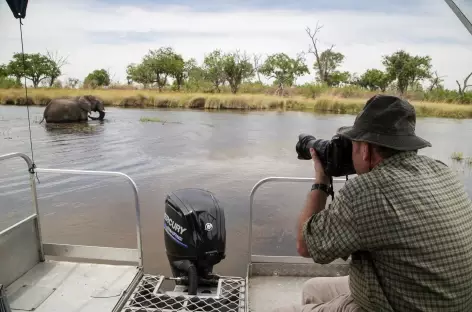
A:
x: 180, y: 70
x: 406, y: 69
x: 237, y: 67
x: 337, y: 77
x: 140, y: 73
x: 3, y: 71
x: 283, y: 69
x: 163, y: 62
x: 7, y: 82
x: 97, y: 78
x: 374, y: 79
x: 326, y: 65
x: 196, y: 77
x: 36, y: 67
x: 213, y: 67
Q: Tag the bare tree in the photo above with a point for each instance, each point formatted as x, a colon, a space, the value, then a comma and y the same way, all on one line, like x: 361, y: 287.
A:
x: 257, y: 64
x: 322, y: 64
x: 435, y: 81
x: 58, y: 62
x: 464, y: 86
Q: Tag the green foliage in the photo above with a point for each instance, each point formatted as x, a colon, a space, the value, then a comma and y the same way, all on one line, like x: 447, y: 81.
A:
x: 182, y: 70
x: 37, y: 67
x: 139, y: 73
x: 196, y: 78
x: 374, y: 79
x: 8, y: 83
x: 97, y: 78
x: 284, y: 69
x: 213, y: 67
x: 326, y: 68
x: 3, y: 71
x: 236, y: 68
x: 163, y: 62
x: 406, y: 69
x: 337, y: 78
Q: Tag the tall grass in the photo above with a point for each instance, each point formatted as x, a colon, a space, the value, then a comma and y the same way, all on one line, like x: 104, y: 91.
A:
x: 329, y: 100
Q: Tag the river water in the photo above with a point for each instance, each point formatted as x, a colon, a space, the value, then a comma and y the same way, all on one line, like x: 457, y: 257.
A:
x: 224, y: 152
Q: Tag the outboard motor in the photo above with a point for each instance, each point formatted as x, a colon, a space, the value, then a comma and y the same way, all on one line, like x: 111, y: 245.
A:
x: 195, y: 236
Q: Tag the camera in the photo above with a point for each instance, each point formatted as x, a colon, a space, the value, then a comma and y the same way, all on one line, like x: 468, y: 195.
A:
x: 335, y: 154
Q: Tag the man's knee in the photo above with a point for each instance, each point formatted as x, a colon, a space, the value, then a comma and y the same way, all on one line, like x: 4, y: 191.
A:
x: 323, y: 289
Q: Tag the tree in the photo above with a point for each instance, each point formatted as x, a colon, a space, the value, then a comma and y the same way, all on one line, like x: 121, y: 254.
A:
x: 72, y: 83
x: 326, y: 66
x: 236, y: 68
x: 374, y: 79
x: 140, y: 73
x: 214, y: 69
x: 97, y: 78
x: 336, y: 78
x: 180, y: 70
x: 5, y: 81
x: 57, y: 62
x: 36, y: 67
x: 436, y: 82
x: 464, y: 85
x: 196, y: 76
x: 326, y: 62
x: 3, y: 71
x: 257, y: 64
x: 284, y: 69
x: 163, y: 62
x: 405, y: 69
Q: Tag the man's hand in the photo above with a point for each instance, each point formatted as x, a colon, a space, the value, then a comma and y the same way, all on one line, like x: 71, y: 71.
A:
x: 320, y: 175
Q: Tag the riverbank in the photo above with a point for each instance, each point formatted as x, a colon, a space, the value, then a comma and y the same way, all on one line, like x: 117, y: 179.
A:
x: 150, y: 98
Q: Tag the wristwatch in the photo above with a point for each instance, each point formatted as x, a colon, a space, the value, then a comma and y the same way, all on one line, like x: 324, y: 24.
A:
x: 319, y: 186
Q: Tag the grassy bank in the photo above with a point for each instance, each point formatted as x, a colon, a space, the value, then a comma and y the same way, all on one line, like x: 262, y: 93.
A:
x: 151, y: 98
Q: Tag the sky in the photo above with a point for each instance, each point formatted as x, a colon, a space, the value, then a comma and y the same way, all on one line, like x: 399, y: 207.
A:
x: 111, y: 34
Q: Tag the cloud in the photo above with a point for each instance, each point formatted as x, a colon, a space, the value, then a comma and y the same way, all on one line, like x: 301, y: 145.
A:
x: 113, y: 34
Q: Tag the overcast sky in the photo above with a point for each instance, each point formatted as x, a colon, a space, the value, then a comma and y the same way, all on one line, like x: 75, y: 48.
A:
x: 113, y: 33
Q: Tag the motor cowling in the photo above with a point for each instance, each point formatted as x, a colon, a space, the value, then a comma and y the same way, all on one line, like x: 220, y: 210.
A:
x: 195, y: 234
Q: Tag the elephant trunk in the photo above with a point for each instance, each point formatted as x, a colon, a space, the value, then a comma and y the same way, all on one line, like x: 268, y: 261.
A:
x: 101, y: 115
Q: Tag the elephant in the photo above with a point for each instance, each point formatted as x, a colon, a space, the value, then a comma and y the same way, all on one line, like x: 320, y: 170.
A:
x: 76, y: 109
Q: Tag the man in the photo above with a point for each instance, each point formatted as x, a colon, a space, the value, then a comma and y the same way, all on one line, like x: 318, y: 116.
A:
x: 405, y: 220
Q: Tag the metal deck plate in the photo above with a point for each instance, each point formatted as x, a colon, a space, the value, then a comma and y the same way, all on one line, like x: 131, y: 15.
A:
x: 267, y: 293
x: 56, y: 286
x: 229, y: 297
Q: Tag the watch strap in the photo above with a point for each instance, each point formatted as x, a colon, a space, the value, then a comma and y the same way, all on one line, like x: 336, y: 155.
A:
x: 322, y: 187
x: 328, y: 189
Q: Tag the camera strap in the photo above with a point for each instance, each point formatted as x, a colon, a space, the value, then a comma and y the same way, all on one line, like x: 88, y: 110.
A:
x: 330, y: 188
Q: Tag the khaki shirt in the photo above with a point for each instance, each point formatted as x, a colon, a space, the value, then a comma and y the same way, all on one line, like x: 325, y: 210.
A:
x: 407, y: 225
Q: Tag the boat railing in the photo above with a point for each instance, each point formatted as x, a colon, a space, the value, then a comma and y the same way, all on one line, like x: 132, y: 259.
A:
x: 287, y: 265
x: 22, y: 245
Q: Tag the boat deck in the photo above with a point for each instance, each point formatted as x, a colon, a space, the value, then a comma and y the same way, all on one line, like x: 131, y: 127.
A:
x: 56, y: 286
x: 270, y: 292
x: 275, y: 282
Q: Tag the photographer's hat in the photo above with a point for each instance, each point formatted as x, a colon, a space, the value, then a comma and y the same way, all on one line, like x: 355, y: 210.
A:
x: 386, y: 121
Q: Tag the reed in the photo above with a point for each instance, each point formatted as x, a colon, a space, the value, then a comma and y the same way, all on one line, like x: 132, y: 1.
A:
x: 326, y: 102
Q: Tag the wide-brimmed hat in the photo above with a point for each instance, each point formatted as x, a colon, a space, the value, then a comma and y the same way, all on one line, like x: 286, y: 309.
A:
x: 387, y: 121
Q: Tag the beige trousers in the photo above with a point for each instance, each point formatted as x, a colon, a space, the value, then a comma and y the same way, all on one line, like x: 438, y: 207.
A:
x: 325, y: 294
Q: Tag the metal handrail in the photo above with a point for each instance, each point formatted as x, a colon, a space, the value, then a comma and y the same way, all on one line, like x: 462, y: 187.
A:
x: 111, y: 174
x: 32, y: 171
x: 34, y: 194
x: 264, y: 181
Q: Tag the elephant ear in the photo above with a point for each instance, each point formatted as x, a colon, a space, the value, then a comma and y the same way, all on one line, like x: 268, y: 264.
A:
x: 84, y: 104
